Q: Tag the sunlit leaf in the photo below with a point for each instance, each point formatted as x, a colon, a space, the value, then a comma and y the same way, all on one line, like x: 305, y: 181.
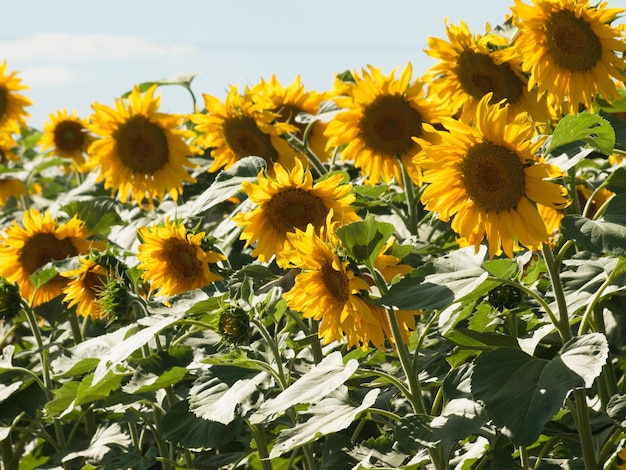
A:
x: 107, y: 438
x: 590, y: 128
x: 98, y: 214
x: 365, y: 239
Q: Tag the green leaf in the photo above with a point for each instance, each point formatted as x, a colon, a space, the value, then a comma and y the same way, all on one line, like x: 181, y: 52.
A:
x: 321, y: 380
x: 142, y: 382
x: 616, y: 409
x: 414, y: 432
x: 616, y: 181
x: 227, y: 184
x: 522, y: 393
x: 107, y: 438
x: 590, y: 128
x: 225, y: 393
x: 89, y: 390
x: 599, y: 237
x: 331, y: 414
x: 459, y: 419
x: 99, y: 214
x: 365, y: 239
x: 503, y: 268
x: 437, y: 285
x: 183, y: 80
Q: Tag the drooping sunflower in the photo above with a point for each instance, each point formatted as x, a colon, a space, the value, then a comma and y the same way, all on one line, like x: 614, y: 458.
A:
x: 12, y: 104
x: 41, y: 239
x: 67, y: 136
x: 11, y: 187
x: 329, y: 291
x: 141, y: 153
x: 293, y: 99
x: 570, y: 50
x: 173, y: 259
x: 242, y: 126
x: 288, y: 202
x: 470, y: 66
x: 85, y: 287
x: 489, y: 179
x: 379, y: 118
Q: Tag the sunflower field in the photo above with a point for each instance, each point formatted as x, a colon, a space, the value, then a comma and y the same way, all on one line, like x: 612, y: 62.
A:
x: 402, y: 272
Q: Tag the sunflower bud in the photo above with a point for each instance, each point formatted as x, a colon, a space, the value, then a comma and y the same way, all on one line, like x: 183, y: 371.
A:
x: 234, y: 326
x: 114, y: 299
x: 10, y: 300
x: 505, y: 297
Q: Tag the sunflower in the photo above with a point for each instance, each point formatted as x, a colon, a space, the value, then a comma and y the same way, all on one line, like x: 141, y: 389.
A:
x: 380, y: 116
x: 240, y: 127
x: 288, y: 202
x: 141, y: 153
x: 293, y: 99
x: 329, y: 291
x: 8, y: 147
x: 41, y: 239
x: 488, y: 177
x: 11, y: 187
x: 570, y: 50
x: 12, y: 104
x: 471, y: 66
x: 173, y: 260
x: 85, y: 287
x: 67, y: 136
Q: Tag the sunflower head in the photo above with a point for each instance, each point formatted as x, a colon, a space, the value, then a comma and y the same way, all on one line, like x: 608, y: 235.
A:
x: 243, y: 125
x: 380, y: 115
x: 11, y: 188
x: 12, y: 104
x: 234, y: 326
x: 173, y: 259
x: 489, y: 178
x: 141, y: 153
x: 288, y: 202
x: 67, y: 136
x: 570, y: 50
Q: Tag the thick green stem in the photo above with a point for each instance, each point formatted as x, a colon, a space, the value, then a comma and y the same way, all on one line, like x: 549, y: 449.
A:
x: 261, y: 446
x: 409, y: 192
x: 563, y: 325
x: 584, y: 429
x: 523, y: 456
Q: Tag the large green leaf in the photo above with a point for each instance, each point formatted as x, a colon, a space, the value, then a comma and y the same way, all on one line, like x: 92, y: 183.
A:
x: 224, y: 393
x: 438, y: 284
x: 606, y: 235
x: 107, y: 438
x: 99, y: 214
x: 589, y: 128
x: 616, y: 181
x: 365, y: 239
x: 522, y: 393
x: 331, y: 414
x: 323, y: 379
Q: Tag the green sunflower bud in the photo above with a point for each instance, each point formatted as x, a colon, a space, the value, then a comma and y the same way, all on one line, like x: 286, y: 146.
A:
x: 234, y: 326
x: 114, y: 299
x: 505, y: 297
x: 10, y: 300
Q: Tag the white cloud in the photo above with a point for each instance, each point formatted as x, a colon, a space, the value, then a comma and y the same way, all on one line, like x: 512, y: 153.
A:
x: 65, y: 47
x: 46, y: 76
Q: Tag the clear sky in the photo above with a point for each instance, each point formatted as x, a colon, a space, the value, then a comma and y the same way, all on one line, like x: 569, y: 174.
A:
x: 73, y: 53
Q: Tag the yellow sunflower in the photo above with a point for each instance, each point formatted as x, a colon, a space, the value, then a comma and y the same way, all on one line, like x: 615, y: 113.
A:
x: 328, y: 291
x: 67, y: 136
x: 142, y: 153
x: 381, y: 115
x: 12, y: 104
x: 288, y: 202
x: 488, y: 178
x: 570, y: 50
x: 11, y: 187
x: 293, y: 99
x: 471, y: 66
x: 85, y: 287
x: 41, y: 239
x: 240, y: 127
x: 8, y: 147
x: 173, y: 260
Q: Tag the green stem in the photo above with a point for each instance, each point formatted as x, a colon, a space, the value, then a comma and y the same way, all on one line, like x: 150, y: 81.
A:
x: 7, y: 452
x: 584, y: 429
x: 409, y: 192
x: 562, y: 325
x: 283, y: 382
x: 261, y: 444
x: 594, y: 301
x: 523, y: 455
x: 76, y: 330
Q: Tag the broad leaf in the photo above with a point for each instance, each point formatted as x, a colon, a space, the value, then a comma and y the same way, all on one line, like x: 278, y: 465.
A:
x: 599, y: 237
x: 590, y: 128
x: 323, y: 379
x: 522, y: 393
x: 365, y: 239
x: 104, y: 440
x: 331, y: 414
x: 616, y: 181
x: 99, y: 214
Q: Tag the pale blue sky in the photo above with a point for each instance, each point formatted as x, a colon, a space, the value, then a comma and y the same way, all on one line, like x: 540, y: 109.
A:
x: 75, y: 52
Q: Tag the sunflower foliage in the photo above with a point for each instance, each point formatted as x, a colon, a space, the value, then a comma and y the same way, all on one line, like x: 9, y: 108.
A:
x: 401, y: 272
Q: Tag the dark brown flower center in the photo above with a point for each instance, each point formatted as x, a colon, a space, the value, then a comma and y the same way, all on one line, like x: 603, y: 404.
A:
x: 478, y: 75
x: 182, y: 259
x: 336, y: 283
x: 288, y: 113
x: 243, y: 136
x: 41, y: 248
x: 294, y: 209
x: 572, y: 43
x: 69, y: 136
x: 4, y: 102
x: 142, y: 145
x: 388, y: 125
x: 493, y: 177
